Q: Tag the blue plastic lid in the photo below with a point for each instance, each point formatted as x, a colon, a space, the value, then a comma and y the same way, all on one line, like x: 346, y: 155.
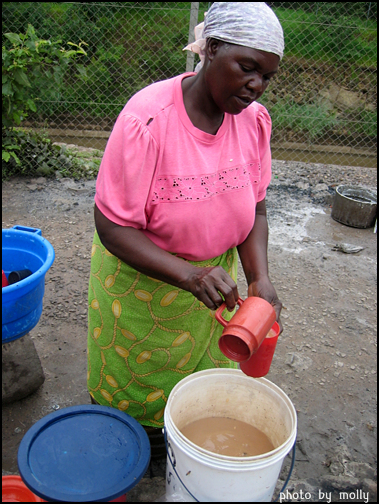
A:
x: 85, y: 453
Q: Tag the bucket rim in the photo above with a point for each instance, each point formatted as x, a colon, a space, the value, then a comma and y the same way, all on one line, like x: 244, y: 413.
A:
x: 241, y: 463
x: 370, y: 192
x: 14, y: 483
x: 41, y: 272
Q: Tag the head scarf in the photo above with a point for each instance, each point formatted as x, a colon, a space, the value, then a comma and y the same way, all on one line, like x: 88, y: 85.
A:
x: 250, y: 24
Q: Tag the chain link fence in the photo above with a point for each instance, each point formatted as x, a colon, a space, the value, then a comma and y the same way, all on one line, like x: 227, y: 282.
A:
x: 322, y: 102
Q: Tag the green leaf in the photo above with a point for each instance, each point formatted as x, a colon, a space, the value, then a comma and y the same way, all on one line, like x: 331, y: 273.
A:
x: 68, y: 54
x: 5, y: 156
x: 7, y: 89
x: 15, y: 158
x: 21, y: 54
x: 30, y: 45
x: 14, y: 38
x: 82, y: 70
x: 17, y: 118
x: 37, y: 72
x: 21, y: 78
x: 18, y: 95
x: 30, y: 30
x: 31, y: 105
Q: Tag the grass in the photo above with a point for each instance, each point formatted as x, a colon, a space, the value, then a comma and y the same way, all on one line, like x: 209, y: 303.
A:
x: 311, y: 119
x: 321, y: 38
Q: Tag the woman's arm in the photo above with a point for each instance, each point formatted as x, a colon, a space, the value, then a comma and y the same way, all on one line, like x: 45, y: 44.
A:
x: 138, y: 251
x: 253, y: 255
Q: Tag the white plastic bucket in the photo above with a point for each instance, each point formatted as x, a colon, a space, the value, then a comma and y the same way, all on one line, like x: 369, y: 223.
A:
x: 211, y: 477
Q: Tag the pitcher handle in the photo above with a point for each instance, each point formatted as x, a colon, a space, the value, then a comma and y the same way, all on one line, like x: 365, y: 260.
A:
x: 220, y: 309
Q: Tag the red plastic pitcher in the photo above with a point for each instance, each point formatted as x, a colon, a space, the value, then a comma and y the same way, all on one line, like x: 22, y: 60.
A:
x: 259, y: 363
x: 244, y: 333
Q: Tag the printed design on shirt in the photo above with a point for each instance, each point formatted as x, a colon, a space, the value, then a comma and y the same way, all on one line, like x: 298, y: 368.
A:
x: 172, y: 188
x: 145, y: 335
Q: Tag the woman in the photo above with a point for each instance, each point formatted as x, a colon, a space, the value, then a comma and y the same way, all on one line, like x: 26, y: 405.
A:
x: 181, y: 189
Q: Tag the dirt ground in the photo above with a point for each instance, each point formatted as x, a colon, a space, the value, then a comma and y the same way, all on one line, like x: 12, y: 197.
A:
x: 326, y: 356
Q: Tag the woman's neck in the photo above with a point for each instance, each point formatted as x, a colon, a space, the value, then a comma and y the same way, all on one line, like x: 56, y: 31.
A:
x: 201, y: 110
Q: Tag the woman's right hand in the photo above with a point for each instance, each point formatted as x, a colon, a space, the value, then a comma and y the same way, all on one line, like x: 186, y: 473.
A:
x: 207, y: 285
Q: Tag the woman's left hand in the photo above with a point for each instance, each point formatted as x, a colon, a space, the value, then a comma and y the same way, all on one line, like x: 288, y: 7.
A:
x: 264, y: 289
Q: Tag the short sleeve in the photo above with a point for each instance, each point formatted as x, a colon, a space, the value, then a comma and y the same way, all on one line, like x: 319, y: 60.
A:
x: 126, y: 173
x: 264, y: 136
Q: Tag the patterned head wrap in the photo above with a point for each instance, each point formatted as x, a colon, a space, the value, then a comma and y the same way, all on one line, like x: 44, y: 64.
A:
x: 250, y: 24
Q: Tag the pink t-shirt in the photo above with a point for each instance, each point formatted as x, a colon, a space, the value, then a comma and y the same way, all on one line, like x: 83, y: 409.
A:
x: 190, y: 192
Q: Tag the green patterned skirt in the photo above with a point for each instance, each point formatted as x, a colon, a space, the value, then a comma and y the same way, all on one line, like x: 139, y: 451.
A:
x: 144, y: 335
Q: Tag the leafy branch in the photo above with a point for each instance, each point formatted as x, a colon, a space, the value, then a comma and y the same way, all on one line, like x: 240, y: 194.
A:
x: 29, y: 66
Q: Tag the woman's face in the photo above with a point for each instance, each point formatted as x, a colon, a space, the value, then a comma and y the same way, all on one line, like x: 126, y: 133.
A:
x: 236, y: 75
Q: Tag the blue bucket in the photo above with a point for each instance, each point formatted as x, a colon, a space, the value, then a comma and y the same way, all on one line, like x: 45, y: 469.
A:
x: 23, y: 248
x: 84, y: 453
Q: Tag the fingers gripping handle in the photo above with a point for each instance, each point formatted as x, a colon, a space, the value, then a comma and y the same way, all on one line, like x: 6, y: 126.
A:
x: 219, y: 311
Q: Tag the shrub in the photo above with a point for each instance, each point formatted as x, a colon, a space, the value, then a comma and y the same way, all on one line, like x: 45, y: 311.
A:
x: 37, y: 155
x: 28, y: 66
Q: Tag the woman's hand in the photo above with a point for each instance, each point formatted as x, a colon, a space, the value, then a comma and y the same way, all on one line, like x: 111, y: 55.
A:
x: 207, y: 285
x: 264, y: 289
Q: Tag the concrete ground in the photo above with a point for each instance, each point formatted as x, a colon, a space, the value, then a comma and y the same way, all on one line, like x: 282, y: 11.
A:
x: 325, y: 359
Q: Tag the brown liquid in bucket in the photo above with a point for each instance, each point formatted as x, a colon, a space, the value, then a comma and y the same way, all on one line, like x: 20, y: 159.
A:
x: 227, y: 436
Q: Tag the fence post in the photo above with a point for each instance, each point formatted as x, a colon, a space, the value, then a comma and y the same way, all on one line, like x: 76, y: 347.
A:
x: 191, y: 35
x: 368, y: 11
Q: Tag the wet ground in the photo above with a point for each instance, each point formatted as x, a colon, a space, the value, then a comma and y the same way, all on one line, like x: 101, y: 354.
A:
x: 326, y: 356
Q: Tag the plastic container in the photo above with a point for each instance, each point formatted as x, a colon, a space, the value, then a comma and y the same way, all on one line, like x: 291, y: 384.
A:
x: 211, y: 477
x: 244, y: 333
x: 85, y: 453
x: 259, y: 364
x: 14, y: 490
x: 23, y: 248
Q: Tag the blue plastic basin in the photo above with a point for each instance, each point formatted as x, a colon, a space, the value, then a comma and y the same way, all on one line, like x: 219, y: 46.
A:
x: 23, y: 248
